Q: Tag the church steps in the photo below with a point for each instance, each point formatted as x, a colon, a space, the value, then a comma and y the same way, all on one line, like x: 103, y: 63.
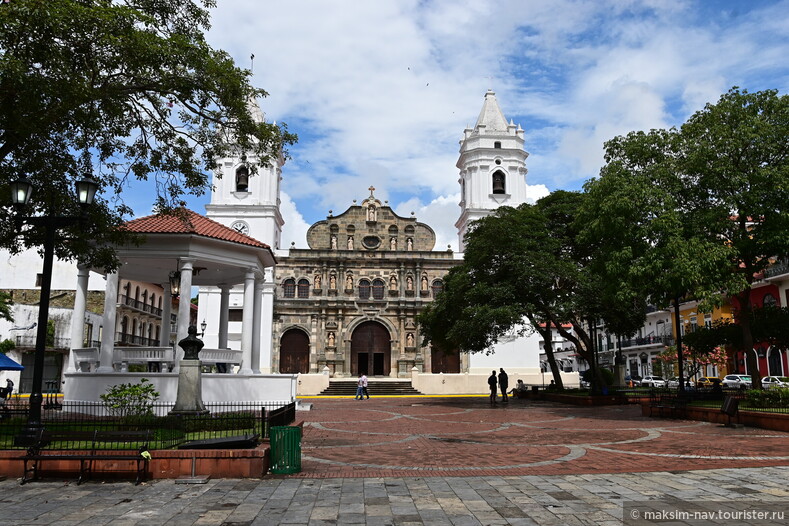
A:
x: 375, y: 387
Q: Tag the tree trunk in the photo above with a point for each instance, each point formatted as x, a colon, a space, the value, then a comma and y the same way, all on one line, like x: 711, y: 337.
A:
x: 744, y: 319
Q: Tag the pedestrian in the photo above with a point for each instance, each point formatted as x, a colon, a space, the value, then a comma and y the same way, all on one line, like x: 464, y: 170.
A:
x: 364, y: 386
x: 504, y: 382
x: 492, y: 384
x: 359, y: 388
x: 9, y: 388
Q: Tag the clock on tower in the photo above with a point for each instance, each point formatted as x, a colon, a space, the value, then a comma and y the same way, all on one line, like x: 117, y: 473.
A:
x: 240, y: 227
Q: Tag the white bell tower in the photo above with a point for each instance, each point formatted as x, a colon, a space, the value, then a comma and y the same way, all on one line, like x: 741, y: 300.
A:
x: 492, y: 166
x: 249, y: 202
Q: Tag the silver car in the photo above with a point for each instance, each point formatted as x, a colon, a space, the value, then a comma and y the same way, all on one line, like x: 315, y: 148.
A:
x: 775, y: 381
x: 653, y: 381
x: 736, y: 381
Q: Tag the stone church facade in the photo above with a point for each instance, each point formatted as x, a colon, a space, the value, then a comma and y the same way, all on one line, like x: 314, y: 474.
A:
x: 349, y: 302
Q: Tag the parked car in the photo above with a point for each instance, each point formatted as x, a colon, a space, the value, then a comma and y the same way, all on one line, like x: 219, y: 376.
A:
x: 775, y: 381
x: 653, y: 381
x: 673, y: 382
x: 708, y: 381
x: 635, y: 379
x: 736, y: 381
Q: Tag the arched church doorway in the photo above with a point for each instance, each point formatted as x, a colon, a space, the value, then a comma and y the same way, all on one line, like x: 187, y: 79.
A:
x: 294, y: 352
x: 371, y: 350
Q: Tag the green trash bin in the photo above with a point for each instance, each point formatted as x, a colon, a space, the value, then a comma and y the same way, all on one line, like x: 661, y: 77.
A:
x: 285, y: 449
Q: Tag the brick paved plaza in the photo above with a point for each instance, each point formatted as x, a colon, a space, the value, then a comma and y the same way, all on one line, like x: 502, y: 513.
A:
x: 451, y: 462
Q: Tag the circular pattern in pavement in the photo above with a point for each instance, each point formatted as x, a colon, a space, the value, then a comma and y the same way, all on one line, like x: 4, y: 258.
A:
x: 466, y: 436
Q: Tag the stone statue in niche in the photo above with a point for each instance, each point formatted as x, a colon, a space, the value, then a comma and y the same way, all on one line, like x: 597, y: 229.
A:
x: 409, y: 244
x: 392, y: 282
x: 334, y: 242
x: 424, y: 282
x: 348, y: 282
x: 350, y: 242
x: 371, y: 213
x: 333, y: 282
x: 409, y: 339
x: 409, y: 283
x: 330, y: 339
x: 393, y: 243
x: 317, y: 281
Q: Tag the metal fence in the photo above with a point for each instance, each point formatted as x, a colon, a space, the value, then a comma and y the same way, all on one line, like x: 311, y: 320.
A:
x: 760, y: 401
x: 168, y: 430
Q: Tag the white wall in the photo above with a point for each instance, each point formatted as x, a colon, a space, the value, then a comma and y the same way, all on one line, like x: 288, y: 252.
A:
x: 216, y: 387
x: 518, y: 354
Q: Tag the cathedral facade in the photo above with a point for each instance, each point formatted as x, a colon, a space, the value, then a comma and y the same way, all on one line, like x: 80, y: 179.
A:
x: 348, y: 304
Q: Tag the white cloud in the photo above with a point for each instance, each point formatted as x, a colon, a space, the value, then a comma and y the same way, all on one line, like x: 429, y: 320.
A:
x: 380, y: 92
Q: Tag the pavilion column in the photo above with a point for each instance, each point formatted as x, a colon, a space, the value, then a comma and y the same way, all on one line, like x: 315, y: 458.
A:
x: 267, y: 328
x: 247, y: 322
x: 184, y: 306
x: 224, y: 312
x: 78, y: 315
x: 257, y: 303
x: 167, y: 310
x: 108, y: 335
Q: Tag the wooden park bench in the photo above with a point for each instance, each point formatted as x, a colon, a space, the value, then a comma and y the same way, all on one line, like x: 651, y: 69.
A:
x: 104, y: 446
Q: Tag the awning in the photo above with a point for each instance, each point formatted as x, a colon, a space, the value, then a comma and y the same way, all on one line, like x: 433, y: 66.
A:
x: 7, y: 364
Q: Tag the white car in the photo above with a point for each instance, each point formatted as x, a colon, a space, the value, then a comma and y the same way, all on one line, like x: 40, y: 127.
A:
x: 736, y: 381
x: 775, y: 381
x: 653, y: 381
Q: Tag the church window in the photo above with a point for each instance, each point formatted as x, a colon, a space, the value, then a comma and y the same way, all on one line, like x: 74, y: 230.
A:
x: 364, y: 289
x: 498, y: 161
x: 289, y: 288
x: 499, y: 186
x: 242, y: 179
x: 304, y: 288
x: 437, y: 287
x: 378, y: 289
x: 497, y: 144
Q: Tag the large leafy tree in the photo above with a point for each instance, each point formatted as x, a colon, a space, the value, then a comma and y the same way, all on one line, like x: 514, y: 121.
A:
x: 521, y: 263
x: 120, y: 90
x: 698, y: 211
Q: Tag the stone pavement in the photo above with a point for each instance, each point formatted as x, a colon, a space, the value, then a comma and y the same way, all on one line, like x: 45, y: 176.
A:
x: 450, y: 462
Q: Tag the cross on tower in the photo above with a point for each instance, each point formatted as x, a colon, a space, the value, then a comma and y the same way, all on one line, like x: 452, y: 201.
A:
x: 372, y: 189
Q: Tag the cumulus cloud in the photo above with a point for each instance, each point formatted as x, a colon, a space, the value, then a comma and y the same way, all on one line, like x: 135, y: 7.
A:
x: 380, y: 92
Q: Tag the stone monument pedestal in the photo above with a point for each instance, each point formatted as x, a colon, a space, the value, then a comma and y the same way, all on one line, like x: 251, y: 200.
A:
x: 189, y: 400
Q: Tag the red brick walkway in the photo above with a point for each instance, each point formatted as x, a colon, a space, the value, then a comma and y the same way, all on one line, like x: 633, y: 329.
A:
x: 412, y: 437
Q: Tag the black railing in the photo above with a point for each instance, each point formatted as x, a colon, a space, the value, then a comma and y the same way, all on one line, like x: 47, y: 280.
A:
x: 132, y: 339
x: 278, y: 417
x: 139, y: 305
x: 648, y: 340
x: 168, y: 431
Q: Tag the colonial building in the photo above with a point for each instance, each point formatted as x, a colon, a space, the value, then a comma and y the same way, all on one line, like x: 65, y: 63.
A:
x: 349, y: 302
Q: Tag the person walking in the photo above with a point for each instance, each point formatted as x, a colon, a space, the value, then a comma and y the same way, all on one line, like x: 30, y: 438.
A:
x: 360, y: 387
x: 9, y: 388
x: 504, y: 383
x: 364, y: 386
x: 492, y: 385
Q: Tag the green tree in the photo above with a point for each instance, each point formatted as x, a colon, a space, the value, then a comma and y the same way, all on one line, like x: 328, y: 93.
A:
x: 5, y: 306
x: 120, y: 90
x: 522, y: 263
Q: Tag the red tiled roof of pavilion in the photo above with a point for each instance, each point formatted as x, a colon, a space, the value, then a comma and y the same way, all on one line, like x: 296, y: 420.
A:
x: 192, y: 223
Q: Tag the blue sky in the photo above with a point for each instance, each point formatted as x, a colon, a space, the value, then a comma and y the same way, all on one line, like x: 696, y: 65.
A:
x: 379, y: 92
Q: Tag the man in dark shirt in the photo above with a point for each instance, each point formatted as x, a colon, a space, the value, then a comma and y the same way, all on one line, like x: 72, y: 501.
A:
x: 492, y: 385
x: 504, y: 382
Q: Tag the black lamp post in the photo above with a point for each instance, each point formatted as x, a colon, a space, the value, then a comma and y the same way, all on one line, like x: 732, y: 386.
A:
x: 202, y: 328
x: 21, y: 190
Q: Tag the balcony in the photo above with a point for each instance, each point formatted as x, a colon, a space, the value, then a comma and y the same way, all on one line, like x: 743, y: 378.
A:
x: 128, y: 301
x: 648, y: 340
x: 131, y: 339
